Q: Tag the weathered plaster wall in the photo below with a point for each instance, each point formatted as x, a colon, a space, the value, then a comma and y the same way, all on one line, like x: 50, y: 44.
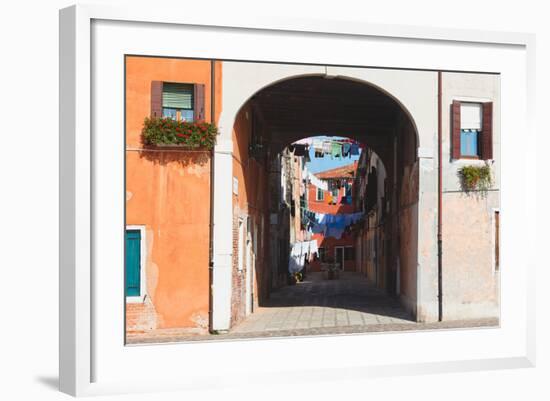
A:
x: 407, y: 242
x: 169, y: 192
x: 251, y: 202
x: 470, y: 282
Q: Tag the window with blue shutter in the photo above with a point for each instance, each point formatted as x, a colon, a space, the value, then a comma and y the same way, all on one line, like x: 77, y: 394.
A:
x: 133, y: 263
x: 178, y: 101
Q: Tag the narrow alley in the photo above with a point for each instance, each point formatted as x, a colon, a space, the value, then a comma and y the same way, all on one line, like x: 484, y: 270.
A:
x: 318, y: 303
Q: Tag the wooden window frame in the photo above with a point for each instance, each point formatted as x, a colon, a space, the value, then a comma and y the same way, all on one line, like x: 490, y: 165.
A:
x: 322, y: 197
x: 485, y: 134
x: 199, y: 106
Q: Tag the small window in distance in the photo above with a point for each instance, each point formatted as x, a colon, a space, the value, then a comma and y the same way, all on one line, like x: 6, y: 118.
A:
x: 177, y: 101
x: 320, y: 194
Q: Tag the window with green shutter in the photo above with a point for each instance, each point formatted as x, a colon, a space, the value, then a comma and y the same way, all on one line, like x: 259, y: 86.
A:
x: 178, y: 101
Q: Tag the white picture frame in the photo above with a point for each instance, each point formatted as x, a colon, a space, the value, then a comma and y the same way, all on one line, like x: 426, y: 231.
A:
x: 88, y: 366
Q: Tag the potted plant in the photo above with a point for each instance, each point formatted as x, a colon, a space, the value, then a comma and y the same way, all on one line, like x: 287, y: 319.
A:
x: 332, y: 269
x: 475, y: 177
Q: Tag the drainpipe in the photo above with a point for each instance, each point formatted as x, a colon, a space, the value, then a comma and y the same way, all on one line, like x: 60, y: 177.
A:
x: 211, y: 231
x: 439, y: 201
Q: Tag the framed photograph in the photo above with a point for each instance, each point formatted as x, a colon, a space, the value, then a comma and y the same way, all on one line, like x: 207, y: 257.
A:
x: 235, y: 194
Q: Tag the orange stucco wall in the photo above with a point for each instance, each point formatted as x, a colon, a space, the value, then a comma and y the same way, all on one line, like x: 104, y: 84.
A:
x: 168, y: 191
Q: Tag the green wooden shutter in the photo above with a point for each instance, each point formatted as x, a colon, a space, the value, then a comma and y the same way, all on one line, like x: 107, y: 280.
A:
x: 177, y: 96
x: 133, y: 263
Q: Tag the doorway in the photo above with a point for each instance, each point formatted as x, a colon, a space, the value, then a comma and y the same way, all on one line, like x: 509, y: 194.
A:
x: 339, y: 256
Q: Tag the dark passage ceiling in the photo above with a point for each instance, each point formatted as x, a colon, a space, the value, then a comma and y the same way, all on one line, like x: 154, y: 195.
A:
x: 311, y: 106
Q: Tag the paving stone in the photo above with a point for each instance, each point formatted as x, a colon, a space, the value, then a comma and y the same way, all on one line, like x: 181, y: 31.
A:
x: 314, y: 307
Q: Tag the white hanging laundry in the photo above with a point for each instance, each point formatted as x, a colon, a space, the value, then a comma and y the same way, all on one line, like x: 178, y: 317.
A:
x: 296, y: 263
x: 318, y: 146
x: 321, y: 184
x: 305, y: 141
x: 313, y: 247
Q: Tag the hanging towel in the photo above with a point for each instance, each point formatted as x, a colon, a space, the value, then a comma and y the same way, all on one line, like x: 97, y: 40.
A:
x: 327, y: 147
x: 334, y: 232
x: 354, y: 151
x: 318, y: 228
x: 336, y: 149
x: 318, y: 148
x: 346, y: 148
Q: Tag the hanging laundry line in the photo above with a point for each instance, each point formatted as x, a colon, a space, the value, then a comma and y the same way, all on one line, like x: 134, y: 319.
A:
x: 339, y: 148
x: 330, y: 225
x: 319, y: 183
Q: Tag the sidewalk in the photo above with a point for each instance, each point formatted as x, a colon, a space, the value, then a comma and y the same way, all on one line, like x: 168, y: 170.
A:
x: 318, y: 307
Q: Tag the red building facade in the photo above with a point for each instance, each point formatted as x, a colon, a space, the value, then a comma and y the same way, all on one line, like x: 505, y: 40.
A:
x: 334, y: 201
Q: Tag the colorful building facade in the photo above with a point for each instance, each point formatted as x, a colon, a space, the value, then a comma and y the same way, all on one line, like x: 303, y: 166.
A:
x: 338, y: 199
x: 208, y: 232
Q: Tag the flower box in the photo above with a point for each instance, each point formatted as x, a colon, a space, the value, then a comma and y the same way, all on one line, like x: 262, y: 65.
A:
x: 169, y: 133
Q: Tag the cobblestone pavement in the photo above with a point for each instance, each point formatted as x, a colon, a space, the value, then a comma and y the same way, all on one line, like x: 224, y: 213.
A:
x: 319, y: 307
x: 318, y: 303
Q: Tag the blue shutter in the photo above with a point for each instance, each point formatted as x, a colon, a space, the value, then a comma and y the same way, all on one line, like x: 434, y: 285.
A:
x: 133, y: 263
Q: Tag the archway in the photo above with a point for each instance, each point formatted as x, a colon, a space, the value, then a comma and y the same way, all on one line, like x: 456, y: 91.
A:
x: 297, y: 107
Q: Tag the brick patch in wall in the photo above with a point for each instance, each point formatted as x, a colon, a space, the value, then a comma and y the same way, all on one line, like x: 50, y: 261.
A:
x: 141, y: 316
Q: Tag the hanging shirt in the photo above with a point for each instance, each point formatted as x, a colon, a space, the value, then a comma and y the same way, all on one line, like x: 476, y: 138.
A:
x: 354, y: 149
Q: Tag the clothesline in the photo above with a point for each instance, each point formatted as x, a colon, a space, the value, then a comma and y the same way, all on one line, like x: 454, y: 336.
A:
x: 335, y: 148
x: 330, y: 225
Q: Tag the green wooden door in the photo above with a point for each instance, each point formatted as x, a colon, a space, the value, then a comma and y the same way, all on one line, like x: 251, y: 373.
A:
x: 133, y: 263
